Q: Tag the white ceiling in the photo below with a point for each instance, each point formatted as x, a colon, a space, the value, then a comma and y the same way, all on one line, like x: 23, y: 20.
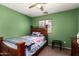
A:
x: 33, y: 12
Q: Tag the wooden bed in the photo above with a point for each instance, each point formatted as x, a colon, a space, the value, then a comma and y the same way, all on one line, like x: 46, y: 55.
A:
x: 20, y: 51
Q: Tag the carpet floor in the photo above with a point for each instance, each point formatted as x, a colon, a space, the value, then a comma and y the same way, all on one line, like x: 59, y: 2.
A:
x: 49, y: 51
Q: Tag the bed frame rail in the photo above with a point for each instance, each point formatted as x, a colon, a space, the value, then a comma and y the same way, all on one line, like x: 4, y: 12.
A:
x: 20, y: 51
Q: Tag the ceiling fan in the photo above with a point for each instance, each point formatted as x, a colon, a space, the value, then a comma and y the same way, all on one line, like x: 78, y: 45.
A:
x: 40, y: 6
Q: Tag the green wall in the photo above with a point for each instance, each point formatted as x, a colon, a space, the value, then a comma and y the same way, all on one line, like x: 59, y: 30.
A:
x: 78, y: 18
x: 64, y: 26
x: 13, y: 23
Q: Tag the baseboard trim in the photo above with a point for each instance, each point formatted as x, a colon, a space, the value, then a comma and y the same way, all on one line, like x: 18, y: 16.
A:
x: 50, y: 44
x: 62, y: 47
x: 67, y: 48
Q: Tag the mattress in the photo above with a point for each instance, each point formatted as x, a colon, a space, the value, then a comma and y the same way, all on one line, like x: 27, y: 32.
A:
x: 27, y: 40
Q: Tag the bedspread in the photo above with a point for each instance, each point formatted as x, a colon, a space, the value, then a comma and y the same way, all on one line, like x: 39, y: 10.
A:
x: 11, y: 42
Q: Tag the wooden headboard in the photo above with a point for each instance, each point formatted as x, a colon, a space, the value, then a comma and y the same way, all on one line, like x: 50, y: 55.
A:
x: 42, y: 31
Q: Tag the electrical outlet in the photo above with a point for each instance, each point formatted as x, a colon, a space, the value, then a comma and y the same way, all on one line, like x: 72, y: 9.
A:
x: 64, y: 42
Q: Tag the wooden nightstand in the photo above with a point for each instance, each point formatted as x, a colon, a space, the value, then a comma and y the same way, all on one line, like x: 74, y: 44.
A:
x: 74, y: 47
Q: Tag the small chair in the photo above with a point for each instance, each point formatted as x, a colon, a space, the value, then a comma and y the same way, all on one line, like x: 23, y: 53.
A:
x: 58, y: 43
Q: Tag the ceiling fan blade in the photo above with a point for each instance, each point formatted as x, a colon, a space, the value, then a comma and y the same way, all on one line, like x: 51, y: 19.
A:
x: 42, y: 9
x: 44, y: 3
x: 33, y: 5
x: 45, y: 12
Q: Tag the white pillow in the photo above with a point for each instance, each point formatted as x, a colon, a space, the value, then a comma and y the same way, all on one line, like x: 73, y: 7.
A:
x: 36, y: 34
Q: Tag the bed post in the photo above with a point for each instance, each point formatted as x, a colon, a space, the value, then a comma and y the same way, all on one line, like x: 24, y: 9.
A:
x: 46, y: 26
x: 47, y: 39
x: 1, y: 39
x: 31, y: 29
x: 21, y: 48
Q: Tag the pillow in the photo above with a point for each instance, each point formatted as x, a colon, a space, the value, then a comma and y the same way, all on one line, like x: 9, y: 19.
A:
x: 36, y: 34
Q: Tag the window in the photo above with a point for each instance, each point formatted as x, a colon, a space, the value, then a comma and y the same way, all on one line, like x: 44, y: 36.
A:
x: 44, y: 23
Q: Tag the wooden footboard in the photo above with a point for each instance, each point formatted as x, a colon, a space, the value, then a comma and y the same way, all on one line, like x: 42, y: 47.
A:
x: 21, y: 49
x: 6, y: 50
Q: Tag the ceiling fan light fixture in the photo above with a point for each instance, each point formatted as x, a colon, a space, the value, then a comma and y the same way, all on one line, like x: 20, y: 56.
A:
x: 45, y: 12
x: 38, y: 6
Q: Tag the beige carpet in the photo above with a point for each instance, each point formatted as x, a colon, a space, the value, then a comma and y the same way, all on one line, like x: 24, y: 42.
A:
x: 49, y: 51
